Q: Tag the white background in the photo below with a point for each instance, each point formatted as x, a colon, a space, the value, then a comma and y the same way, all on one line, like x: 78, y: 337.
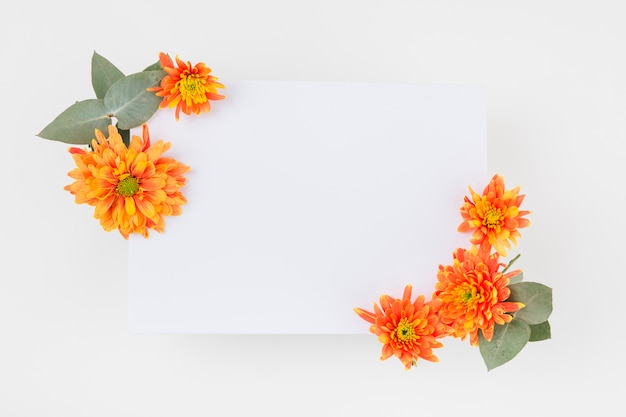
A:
x: 556, y: 95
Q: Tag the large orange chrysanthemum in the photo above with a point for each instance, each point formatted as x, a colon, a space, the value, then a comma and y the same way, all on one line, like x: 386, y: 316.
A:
x: 131, y: 188
x: 473, y: 294
x: 406, y: 329
x: 186, y: 87
x: 495, y: 216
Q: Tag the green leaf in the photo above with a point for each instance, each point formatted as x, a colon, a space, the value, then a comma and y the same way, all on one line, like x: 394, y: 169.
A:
x: 154, y: 67
x: 125, y: 134
x: 103, y: 75
x: 539, y: 332
x: 508, y: 340
x: 129, y: 101
x: 516, y: 278
x: 78, y: 122
x: 536, y: 297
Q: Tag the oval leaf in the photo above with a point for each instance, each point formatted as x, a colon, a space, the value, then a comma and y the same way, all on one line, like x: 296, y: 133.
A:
x: 129, y: 101
x: 103, y: 75
x: 508, y: 340
x: 536, y: 297
x: 154, y: 67
x: 539, y: 332
x: 516, y: 278
x: 78, y: 122
x: 125, y: 134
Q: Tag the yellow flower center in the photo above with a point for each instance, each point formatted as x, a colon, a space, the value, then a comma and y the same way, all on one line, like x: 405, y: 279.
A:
x: 127, y: 186
x: 405, y: 332
x: 492, y: 218
x: 192, y: 89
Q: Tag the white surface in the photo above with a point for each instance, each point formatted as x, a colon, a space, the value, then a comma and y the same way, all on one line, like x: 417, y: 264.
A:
x: 554, y: 75
x: 305, y: 200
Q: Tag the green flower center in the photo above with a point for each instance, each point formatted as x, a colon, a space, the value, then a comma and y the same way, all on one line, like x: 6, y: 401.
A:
x: 192, y: 89
x: 405, y: 332
x: 492, y: 218
x: 468, y: 296
x: 128, y: 186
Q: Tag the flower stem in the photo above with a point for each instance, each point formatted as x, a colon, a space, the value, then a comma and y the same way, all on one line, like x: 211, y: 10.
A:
x: 511, y: 263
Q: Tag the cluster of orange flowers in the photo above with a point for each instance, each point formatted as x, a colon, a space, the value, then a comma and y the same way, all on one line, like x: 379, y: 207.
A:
x: 132, y: 188
x: 470, y: 294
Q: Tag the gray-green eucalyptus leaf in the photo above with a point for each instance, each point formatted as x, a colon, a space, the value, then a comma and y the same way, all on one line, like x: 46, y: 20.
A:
x: 129, y: 101
x: 125, y: 134
x: 516, y: 278
x: 77, y: 123
x: 103, y: 74
x: 539, y: 332
x: 508, y: 340
x: 154, y: 67
x: 537, y: 299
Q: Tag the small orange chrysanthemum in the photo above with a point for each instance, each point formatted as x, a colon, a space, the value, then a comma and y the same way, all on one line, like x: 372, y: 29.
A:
x: 473, y: 294
x: 186, y: 87
x: 406, y: 329
x: 495, y: 216
x: 131, y: 188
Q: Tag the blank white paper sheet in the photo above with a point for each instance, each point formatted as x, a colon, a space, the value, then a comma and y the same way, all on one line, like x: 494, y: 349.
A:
x: 305, y: 200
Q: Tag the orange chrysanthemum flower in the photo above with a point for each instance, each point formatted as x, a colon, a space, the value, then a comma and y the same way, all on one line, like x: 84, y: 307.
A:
x: 406, y: 329
x: 132, y: 188
x: 473, y: 294
x: 186, y: 87
x: 495, y: 216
